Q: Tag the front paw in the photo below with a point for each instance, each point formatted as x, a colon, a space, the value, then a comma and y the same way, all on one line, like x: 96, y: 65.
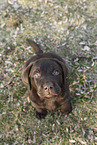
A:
x: 66, y: 108
x: 41, y: 115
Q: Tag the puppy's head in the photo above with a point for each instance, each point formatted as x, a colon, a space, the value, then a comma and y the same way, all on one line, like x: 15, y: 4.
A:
x: 46, y: 76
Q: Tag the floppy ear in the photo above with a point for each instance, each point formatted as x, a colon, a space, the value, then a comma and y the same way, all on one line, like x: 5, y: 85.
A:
x: 64, y: 68
x: 25, y: 75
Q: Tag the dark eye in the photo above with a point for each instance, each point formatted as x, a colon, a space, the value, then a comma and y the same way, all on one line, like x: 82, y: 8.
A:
x: 37, y: 75
x: 55, y: 72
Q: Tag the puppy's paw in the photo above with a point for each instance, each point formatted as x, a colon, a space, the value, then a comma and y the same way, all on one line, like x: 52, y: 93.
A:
x: 41, y: 115
x: 66, y: 108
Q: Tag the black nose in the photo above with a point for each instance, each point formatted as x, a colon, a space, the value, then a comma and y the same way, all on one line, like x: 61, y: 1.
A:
x: 48, y: 86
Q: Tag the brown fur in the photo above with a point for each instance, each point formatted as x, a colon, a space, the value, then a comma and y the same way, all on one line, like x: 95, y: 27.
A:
x: 45, y: 77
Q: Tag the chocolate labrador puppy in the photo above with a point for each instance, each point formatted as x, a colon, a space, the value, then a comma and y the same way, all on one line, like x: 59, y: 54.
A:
x: 45, y: 77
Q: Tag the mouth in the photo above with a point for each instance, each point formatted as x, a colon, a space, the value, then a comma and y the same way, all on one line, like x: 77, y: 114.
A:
x: 51, y: 95
x: 48, y: 94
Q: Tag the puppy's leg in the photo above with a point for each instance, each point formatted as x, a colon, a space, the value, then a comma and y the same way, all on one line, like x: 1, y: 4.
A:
x: 40, y: 114
x: 66, y: 107
x: 40, y: 111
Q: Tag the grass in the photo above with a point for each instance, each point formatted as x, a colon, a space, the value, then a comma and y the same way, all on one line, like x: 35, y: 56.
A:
x: 69, y: 29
